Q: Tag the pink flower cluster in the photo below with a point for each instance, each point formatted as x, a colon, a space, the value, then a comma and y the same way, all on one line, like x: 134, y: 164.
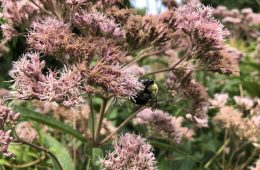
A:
x: 66, y: 85
x: 131, y: 153
x: 196, y: 20
x: 5, y: 140
x: 49, y: 35
x: 30, y: 82
x: 162, y: 124
x: 98, y: 21
x: 182, y: 82
x: 115, y: 80
x: 76, y: 2
x: 241, y: 23
x: 18, y: 12
x: 7, y: 117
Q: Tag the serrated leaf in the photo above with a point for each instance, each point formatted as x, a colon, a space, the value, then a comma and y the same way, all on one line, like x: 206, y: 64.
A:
x: 59, y: 151
x: 49, y: 121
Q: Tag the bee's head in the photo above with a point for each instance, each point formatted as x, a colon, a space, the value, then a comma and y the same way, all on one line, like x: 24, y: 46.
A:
x: 147, y: 81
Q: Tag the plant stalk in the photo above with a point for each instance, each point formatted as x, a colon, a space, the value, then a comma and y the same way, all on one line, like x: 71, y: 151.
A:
x: 171, y: 68
x: 102, y: 115
x: 92, y: 119
x: 121, y: 125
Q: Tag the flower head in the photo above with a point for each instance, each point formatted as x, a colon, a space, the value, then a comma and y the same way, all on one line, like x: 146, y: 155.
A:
x: 181, y: 81
x: 5, y: 140
x: 25, y: 131
x: 7, y: 116
x: 219, y: 100
x: 98, y: 21
x: 196, y: 20
x: 49, y: 35
x: 8, y: 31
x: 163, y: 125
x: 115, y: 79
x: 76, y: 2
x: 18, y: 12
x: 244, y: 102
x: 229, y: 117
x: 31, y: 83
x: 27, y: 73
x: 131, y: 153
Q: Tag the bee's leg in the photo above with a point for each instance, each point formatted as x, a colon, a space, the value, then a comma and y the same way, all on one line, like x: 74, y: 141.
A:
x: 154, y: 104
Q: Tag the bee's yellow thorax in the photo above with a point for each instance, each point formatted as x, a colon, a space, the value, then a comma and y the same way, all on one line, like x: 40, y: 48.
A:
x: 153, y: 89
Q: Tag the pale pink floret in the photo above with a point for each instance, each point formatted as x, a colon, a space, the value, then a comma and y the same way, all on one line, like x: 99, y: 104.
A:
x: 116, y: 80
x: 244, y: 102
x: 256, y: 120
x: 99, y: 21
x: 131, y: 152
x: 49, y: 35
x: 162, y: 124
x: 18, y: 12
x: 196, y: 20
x: 5, y: 140
x: 8, y: 31
x: 30, y: 82
x: 7, y: 116
x: 219, y: 100
x: 76, y: 2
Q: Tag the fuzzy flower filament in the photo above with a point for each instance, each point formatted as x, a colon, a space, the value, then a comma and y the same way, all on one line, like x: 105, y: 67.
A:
x: 98, y: 21
x: 163, y: 125
x: 131, y: 152
x: 7, y: 118
x: 31, y: 83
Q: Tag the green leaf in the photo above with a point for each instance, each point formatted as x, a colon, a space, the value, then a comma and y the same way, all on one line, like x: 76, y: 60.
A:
x: 97, y: 155
x: 4, y: 162
x: 59, y: 151
x: 49, y: 121
x: 252, y: 87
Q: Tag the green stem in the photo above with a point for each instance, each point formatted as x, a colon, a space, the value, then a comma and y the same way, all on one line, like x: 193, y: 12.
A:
x: 140, y: 57
x: 44, y: 10
x: 249, y: 159
x: 92, y: 119
x: 101, y: 114
x: 221, y: 149
x: 238, y: 148
x: 121, y: 125
x: 171, y: 68
x: 26, y: 165
x: 223, y: 156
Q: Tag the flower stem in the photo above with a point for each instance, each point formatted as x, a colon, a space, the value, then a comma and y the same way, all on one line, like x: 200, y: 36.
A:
x: 143, y: 56
x: 26, y: 165
x: 171, y: 68
x: 121, y: 125
x: 92, y: 119
x: 101, y: 114
x: 221, y: 149
x: 42, y: 149
x: 44, y: 10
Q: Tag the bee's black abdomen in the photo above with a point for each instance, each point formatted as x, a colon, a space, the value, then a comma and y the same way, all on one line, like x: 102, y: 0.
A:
x: 142, y: 98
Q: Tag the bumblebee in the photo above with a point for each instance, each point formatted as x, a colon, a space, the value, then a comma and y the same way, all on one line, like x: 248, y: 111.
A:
x: 148, y: 94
